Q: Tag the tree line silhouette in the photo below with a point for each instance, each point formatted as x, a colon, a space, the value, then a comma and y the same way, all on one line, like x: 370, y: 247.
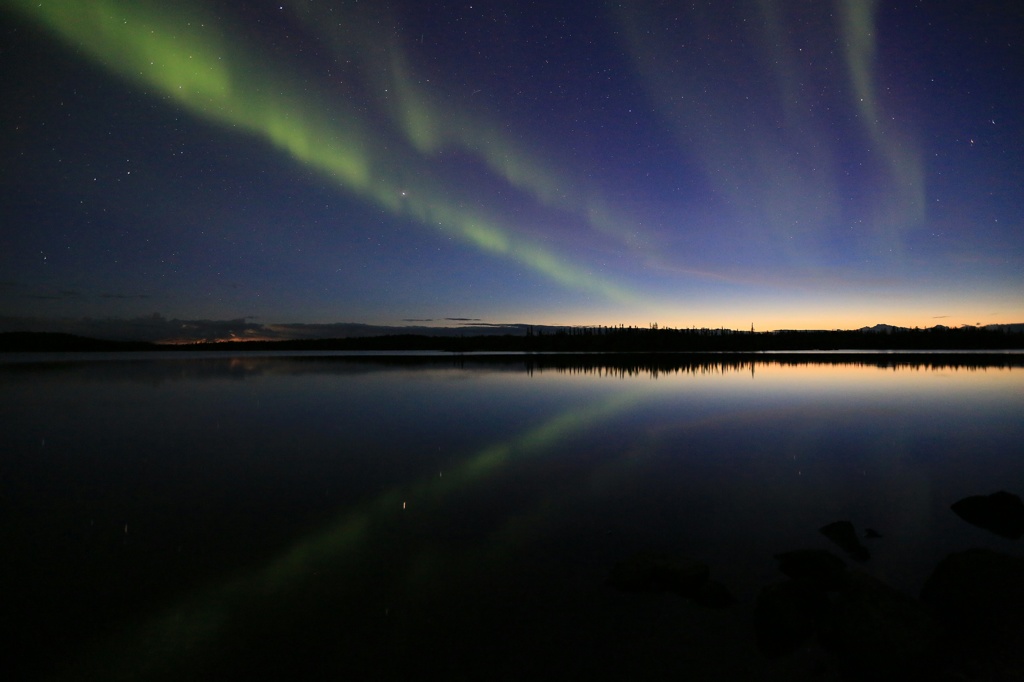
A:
x: 589, y: 339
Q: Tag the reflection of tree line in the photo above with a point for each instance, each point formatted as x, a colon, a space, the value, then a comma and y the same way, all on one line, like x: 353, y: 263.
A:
x: 652, y: 364
x: 656, y: 364
x: 622, y: 368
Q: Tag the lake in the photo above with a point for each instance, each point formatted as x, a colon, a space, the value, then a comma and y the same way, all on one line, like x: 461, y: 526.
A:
x: 177, y: 516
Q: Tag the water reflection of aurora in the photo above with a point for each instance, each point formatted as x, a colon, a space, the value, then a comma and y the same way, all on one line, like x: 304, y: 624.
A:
x: 175, y: 641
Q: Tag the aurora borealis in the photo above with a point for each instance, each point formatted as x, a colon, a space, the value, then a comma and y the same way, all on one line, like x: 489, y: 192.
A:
x: 776, y: 163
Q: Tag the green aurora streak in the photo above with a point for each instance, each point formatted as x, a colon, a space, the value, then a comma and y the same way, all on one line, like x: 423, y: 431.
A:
x: 768, y: 149
x: 433, y: 120
x: 906, y: 171
x: 186, y: 57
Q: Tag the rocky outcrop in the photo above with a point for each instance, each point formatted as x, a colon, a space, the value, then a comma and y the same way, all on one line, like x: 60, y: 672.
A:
x: 1001, y: 513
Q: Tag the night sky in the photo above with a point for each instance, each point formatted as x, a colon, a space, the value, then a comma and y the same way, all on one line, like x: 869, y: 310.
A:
x: 772, y: 163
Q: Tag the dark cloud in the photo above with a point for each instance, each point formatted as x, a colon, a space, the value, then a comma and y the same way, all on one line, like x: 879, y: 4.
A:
x: 61, y: 295
x: 69, y: 294
x: 490, y: 324
x: 352, y: 330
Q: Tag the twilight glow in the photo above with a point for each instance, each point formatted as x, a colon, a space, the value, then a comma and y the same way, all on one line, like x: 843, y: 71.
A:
x: 767, y: 162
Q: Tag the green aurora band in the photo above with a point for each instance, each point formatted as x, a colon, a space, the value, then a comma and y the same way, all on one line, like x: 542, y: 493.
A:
x: 184, y: 56
x: 433, y: 123
x: 764, y: 139
x: 906, y: 171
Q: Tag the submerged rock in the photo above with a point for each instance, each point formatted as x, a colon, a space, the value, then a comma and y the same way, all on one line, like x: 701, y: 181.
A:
x: 869, y: 630
x: 818, y: 569
x: 713, y: 595
x: 1001, y: 512
x: 843, y: 534
x: 978, y: 596
x: 658, y: 572
x: 877, y: 632
x: 786, y: 615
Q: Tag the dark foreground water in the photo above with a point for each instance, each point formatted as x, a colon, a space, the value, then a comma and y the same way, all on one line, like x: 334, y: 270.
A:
x: 314, y: 517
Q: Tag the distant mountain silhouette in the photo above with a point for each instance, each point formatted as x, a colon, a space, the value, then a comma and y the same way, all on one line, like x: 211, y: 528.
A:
x: 1016, y: 328
x: 883, y: 328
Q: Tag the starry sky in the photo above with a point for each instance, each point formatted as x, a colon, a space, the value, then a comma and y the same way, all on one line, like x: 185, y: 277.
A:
x: 775, y: 163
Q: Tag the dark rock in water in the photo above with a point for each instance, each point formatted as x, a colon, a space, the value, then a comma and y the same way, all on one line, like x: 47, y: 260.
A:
x: 819, y: 569
x: 843, y: 534
x: 786, y: 615
x: 870, y: 630
x: 657, y: 572
x: 871, y: 533
x: 713, y: 595
x: 1001, y: 512
x: 978, y: 596
x: 877, y: 632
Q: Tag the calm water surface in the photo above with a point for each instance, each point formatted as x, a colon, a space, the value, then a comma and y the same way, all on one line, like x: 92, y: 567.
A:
x: 211, y: 517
